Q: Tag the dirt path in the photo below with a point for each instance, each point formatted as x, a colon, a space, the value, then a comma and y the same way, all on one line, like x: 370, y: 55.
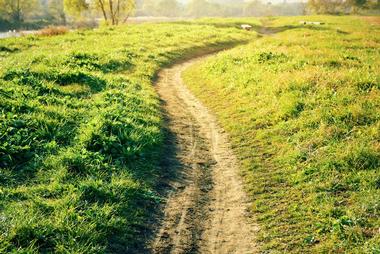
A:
x: 207, y: 210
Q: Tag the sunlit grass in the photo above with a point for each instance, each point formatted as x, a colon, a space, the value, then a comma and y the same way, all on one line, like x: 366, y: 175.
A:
x: 81, y: 134
x: 302, y: 108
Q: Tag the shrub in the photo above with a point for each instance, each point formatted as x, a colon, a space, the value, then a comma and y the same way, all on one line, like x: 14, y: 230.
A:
x: 53, y: 31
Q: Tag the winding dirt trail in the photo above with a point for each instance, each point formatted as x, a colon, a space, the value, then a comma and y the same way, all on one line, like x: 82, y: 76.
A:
x: 207, y: 209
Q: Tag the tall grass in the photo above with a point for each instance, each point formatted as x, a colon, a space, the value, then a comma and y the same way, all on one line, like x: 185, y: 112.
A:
x: 302, y: 107
x: 81, y: 135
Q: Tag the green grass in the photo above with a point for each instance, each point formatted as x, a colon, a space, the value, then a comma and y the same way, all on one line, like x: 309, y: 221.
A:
x: 302, y: 108
x: 81, y: 134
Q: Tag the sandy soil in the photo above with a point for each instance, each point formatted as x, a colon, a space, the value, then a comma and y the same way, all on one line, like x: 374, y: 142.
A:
x: 207, y: 209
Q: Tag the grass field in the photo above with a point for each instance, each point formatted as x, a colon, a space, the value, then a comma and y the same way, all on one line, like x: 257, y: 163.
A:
x: 302, y: 107
x: 81, y: 133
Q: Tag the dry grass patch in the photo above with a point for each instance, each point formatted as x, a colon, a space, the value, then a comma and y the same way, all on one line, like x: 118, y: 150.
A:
x: 53, y: 31
x: 374, y: 20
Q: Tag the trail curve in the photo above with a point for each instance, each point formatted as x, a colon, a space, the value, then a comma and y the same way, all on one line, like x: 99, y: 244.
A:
x: 207, y: 208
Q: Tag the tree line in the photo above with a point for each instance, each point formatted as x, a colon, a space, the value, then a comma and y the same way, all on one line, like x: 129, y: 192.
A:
x: 59, y: 12
x: 21, y: 13
x: 227, y: 8
x: 343, y: 6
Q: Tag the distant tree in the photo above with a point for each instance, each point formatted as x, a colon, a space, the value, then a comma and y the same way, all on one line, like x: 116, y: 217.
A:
x: 255, y: 8
x: 196, y: 7
x: 338, y: 6
x: 149, y: 7
x: 168, y: 8
x: 113, y: 11
x: 231, y: 8
x: 201, y: 8
x: 75, y: 7
x: 365, y: 4
x: 16, y: 10
x: 326, y: 6
x: 55, y: 10
x: 356, y: 5
x: 360, y: 3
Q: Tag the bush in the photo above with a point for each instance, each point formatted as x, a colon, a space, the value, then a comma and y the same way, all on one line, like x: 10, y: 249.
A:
x: 53, y: 31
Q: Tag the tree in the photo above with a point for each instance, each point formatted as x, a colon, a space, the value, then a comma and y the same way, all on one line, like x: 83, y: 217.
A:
x: 202, y: 8
x: 53, y: 10
x: 168, y: 8
x: 113, y: 11
x: 255, y: 8
x: 75, y: 7
x: 16, y: 10
x: 337, y: 6
x: 149, y: 7
x: 326, y: 6
x: 365, y: 4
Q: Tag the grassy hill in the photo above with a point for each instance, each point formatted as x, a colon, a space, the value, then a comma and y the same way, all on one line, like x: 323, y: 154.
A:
x: 302, y: 107
x: 81, y: 133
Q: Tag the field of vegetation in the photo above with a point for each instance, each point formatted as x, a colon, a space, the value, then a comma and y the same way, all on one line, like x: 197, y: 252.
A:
x: 81, y: 133
x: 302, y: 107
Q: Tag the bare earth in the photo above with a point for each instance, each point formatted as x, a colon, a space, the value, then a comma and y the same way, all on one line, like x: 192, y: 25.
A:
x: 207, y: 209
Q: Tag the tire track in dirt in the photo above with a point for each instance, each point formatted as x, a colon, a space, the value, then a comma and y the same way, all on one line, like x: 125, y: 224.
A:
x: 207, y: 209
